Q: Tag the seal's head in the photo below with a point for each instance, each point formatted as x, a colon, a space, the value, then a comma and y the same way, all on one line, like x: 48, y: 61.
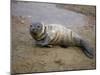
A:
x: 36, y: 28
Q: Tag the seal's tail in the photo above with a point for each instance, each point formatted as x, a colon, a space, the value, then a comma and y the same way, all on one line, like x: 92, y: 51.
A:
x: 87, y: 49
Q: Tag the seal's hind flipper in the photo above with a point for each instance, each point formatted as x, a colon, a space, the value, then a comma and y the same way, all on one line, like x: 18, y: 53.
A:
x: 87, y: 49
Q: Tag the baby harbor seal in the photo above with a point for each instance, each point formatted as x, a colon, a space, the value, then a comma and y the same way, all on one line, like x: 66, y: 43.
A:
x: 54, y: 34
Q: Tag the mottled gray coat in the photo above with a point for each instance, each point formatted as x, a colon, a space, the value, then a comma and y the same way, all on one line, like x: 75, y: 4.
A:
x: 55, y: 34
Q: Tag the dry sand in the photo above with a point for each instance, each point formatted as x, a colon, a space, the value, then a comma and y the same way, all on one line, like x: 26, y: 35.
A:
x: 27, y: 58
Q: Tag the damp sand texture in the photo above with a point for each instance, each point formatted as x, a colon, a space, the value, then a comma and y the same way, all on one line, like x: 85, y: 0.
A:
x: 28, y: 58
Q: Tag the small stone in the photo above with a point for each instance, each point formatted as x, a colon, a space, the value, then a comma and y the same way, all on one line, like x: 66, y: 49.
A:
x: 22, y: 21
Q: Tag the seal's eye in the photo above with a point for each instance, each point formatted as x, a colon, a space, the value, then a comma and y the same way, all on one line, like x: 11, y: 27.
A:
x: 38, y: 26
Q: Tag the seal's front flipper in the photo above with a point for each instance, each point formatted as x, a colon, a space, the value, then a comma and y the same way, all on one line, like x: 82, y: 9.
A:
x: 48, y: 46
x: 87, y: 49
x: 63, y: 46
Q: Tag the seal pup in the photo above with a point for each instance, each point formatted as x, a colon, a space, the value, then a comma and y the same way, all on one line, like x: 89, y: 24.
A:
x: 55, y: 34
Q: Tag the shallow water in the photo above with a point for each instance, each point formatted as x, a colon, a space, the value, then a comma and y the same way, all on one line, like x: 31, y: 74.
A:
x: 48, y: 13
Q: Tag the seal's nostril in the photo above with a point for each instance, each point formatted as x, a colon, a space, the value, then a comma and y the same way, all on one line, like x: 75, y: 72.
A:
x: 33, y: 29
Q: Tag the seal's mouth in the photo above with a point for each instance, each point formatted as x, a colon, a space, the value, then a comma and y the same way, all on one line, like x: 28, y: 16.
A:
x: 34, y: 32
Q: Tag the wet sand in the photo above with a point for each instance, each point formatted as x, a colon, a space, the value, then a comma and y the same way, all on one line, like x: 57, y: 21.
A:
x: 27, y: 58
